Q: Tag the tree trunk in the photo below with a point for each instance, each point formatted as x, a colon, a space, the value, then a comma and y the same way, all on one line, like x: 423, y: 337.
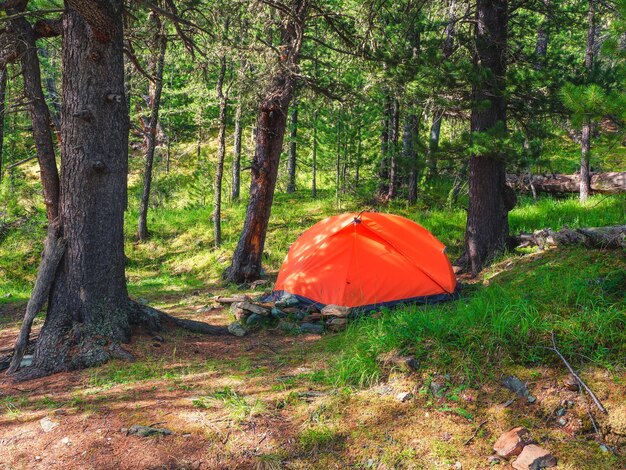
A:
x: 221, y: 153
x: 271, y: 124
x: 541, y: 46
x: 40, y: 115
x: 393, y: 150
x: 53, y: 95
x: 88, y: 307
x: 314, y: 163
x: 409, y: 150
x: 604, y: 183
x: 155, y: 104
x: 385, y: 144
x: 359, y: 150
x: 291, y: 185
x: 489, y: 202
x: 3, y: 91
x: 236, y: 170
x: 585, y: 176
x: 435, y: 128
x: 338, y: 155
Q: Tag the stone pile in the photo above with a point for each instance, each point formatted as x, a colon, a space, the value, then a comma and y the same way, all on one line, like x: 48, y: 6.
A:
x: 288, y: 313
x: 517, y: 443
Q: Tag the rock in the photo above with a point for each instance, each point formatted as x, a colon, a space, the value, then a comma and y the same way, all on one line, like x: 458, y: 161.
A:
x: 337, y: 324
x: 312, y: 317
x: 27, y: 360
x: 234, y: 298
x: 239, y: 313
x: 516, y: 385
x: 278, y: 313
x: 512, y: 442
x: 287, y: 326
x: 59, y: 412
x: 313, y: 308
x: 567, y: 404
x: 494, y: 460
x: 158, y: 338
x: 394, y: 360
x: 254, y: 308
x: 311, y: 328
x: 287, y: 300
x: 205, y: 309
x: 292, y: 310
x: 299, y: 315
x: 255, y: 320
x: 38, y: 458
x: 403, y: 397
x: 258, y: 283
x: 66, y: 441
x: 562, y: 421
x: 458, y: 465
x: 571, y: 383
x: 437, y: 385
x: 560, y: 412
x: 47, y: 424
x: 336, y: 311
x: 145, y: 431
x: 236, y: 329
x: 534, y: 457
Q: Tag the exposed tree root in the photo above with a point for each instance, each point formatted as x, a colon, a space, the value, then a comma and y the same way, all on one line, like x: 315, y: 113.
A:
x: 153, y: 319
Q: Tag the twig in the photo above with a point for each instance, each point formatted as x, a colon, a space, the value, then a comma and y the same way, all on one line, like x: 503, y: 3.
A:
x: 473, y: 436
x: 595, y: 425
x: 580, y: 381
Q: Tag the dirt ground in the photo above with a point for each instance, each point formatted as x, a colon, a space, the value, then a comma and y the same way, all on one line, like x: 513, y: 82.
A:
x: 257, y: 402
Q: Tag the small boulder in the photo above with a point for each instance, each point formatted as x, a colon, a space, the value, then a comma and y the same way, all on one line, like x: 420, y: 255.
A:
x: 312, y: 328
x: 571, y: 383
x: 254, y: 308
x: 287, y: 300
x: 337, y: 324
x: 278, y: 313
x: 312, y: 317
x: 47, y: 424
x: 512, y: 442
x: 145, y: 431
x: 292, y: 310
x: 236, y: 329
x: 534, y: 457
x: 336, y: 311
x: 403, y: 397
x: 255, y: 320
x: 405, y: 363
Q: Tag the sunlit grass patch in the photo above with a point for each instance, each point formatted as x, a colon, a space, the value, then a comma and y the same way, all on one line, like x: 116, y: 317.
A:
x: 239, y: 407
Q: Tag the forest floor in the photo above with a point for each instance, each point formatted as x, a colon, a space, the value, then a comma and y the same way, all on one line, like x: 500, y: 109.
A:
x: 266, y: 401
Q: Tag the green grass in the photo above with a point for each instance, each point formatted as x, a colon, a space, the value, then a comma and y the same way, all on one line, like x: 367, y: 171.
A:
x: 578, y: 294
x: 239, y: 407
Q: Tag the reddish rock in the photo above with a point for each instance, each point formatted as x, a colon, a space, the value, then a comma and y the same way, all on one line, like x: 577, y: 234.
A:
x: 512, y: 442
x: 312, y: 318
x: 336, y: 311
x: 571, y: 383
x: 534, y: 457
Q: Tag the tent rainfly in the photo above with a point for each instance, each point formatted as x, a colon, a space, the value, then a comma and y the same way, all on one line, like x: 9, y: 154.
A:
x: 367, y: 261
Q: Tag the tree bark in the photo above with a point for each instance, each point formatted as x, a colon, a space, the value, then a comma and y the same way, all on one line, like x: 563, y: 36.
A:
x: 236, y: 169
x: 357, y: 163
x: 271, y: 124
x: 410, y: 135
x: 541, y: 46
x: 221, y: 153
x: 88, y: 308
x: 155, y: 105
x: 3, y: 91
x: 40, y: 115
x: 293, y: 147
x: 585, y: 176
x: 489, y: 202
x: 385, y: 145
x: 393, y: 151
x: 314, y: 162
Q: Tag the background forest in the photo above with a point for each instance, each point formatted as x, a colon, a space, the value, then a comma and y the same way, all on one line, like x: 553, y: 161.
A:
x: 481, y: 120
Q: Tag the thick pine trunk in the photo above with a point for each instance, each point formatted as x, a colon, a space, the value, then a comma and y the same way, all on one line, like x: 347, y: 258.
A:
x: 236, y: 169
x: 385, y: 145
x: 585, y: 176
x: 155, y: 105
x: 3, y: 91
x: 88, y: 308
x: 293, y: 149
x: 271, y: 124
x: 221, y: 153
x: 489, y: 202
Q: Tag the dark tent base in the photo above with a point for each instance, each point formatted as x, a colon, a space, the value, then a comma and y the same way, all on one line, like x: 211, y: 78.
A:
x: 364, y: 309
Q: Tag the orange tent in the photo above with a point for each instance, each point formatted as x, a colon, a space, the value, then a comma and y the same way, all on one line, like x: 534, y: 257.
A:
x: 366, y: 260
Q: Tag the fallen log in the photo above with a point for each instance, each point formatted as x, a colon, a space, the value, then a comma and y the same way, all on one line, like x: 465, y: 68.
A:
x: 604, y: 183
x: 593, y: 237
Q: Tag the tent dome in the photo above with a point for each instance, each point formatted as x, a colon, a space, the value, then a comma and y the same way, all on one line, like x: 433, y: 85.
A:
x: 367, y: 260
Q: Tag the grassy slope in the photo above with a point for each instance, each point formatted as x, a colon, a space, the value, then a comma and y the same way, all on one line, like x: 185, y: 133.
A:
x: 502, y: 324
